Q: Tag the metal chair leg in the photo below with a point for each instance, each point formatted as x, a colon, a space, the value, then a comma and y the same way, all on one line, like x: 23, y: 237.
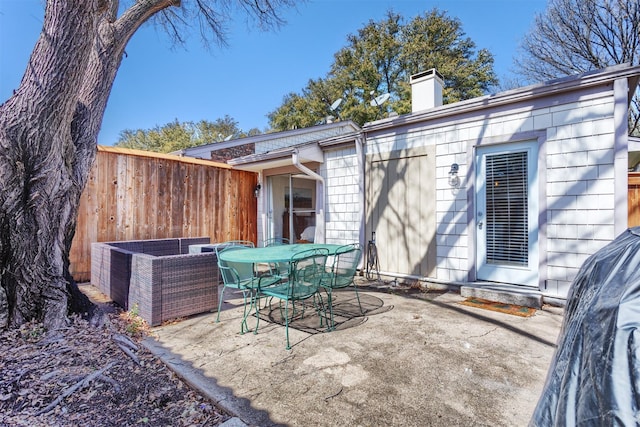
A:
x: 358, y: 298
x: 243, y: 325
x: 286, y: 324
x: 320, y: 306
x: 220, y: 304
x: 331, y: 326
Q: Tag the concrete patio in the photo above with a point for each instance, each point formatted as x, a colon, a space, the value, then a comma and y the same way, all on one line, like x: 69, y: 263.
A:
x: 414, y: 359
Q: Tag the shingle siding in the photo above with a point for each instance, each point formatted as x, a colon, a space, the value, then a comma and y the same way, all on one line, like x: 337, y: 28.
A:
x: 342, y: 196
x: 578, y: 138
x: 580, y: 187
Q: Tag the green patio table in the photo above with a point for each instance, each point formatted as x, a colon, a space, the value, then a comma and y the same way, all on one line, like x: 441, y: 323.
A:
x: 273, y: 254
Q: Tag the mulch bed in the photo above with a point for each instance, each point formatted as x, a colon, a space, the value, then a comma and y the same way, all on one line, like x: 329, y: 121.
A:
x: 93, y: 375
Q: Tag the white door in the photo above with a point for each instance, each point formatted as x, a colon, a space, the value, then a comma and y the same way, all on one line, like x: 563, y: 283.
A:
x: 507, y: 213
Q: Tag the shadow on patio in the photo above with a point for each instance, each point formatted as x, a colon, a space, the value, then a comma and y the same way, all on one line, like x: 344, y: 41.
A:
x: 413, y: 359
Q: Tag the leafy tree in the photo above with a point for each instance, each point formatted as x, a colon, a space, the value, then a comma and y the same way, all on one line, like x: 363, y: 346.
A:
x: 176, y: 136
x: 170, y: 137
x: 208, y: 132
x: 576, y: 36
x: 379, y: 59
x: 48, y: 137
x: 308, y: 109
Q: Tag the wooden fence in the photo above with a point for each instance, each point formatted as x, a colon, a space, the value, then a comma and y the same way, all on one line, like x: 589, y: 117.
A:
x: 134, y: 194
x: 633, y: 200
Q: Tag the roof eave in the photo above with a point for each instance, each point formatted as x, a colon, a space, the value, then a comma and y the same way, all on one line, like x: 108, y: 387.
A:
x: 273, y: 159
x: 268, y: 136
x: 564, y: 84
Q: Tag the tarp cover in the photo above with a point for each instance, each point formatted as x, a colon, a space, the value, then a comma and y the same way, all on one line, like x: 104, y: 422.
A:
x: 594, y: 378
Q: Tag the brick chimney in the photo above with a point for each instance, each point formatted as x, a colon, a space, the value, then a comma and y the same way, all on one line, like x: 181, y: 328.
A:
x: 426, y: 90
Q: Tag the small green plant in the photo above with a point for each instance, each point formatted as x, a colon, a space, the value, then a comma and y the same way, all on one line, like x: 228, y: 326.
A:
x: 32, y: 332
x: 135, y: 325
x: 134, y: 310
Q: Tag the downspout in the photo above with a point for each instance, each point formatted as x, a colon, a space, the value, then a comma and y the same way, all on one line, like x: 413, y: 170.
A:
x: 262, y: 224
x: 361, y: 191
x: 320, y: 222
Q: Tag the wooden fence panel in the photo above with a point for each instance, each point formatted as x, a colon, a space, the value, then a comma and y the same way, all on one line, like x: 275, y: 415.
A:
x: 133, y: 194
x: 633, y: 200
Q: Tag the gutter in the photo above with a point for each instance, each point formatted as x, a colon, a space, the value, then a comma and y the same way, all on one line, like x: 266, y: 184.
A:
x: 320, y: 220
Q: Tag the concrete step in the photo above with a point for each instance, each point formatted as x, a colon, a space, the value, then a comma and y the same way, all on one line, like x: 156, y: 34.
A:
x: 506, y: 294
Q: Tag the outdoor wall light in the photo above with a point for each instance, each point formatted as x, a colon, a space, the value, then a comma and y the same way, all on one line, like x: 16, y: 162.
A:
x: 454, y: 179
x: 256, y: 191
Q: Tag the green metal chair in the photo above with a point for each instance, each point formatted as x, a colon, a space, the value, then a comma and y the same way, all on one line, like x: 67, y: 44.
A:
x: 275, y: 241
x: 306, y: 273
x: 341, y: 274
x: 240, y: 276
x: 244, y: 243
x: 238, y: 244
x: 278, y: 269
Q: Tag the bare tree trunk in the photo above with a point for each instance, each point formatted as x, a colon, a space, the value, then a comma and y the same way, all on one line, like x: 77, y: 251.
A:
x: 40, y: 193
x: 48, y: 137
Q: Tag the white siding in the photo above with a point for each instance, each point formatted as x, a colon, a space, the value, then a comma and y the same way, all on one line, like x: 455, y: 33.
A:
x: 578, y: 197
x: 580, y: 188
x: 452, y: 204
x: 342, y: 196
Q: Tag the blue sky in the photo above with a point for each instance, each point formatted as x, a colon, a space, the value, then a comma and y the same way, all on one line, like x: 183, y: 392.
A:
x: 248, y: 79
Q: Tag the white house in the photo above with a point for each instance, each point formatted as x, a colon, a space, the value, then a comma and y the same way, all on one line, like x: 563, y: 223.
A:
x: 310, y: 180
x: 516, y: 188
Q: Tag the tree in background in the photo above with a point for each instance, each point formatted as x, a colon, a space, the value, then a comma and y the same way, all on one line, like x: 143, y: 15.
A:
x: 576, y: 36
x: 48, y: 137
x: 222, y: 129
x: 162, y: 139
x: 176, y: 136
x: 380, y: 59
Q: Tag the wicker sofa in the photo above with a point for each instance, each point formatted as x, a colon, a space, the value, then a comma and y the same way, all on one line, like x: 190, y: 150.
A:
x: 158, y: 276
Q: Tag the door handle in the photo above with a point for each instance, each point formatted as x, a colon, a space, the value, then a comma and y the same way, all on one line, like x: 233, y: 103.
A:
x: 480, y: 225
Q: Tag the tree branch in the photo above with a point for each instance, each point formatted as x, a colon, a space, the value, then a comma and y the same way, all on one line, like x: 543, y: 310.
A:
x: 137, y: 15
x: 77, y: 386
